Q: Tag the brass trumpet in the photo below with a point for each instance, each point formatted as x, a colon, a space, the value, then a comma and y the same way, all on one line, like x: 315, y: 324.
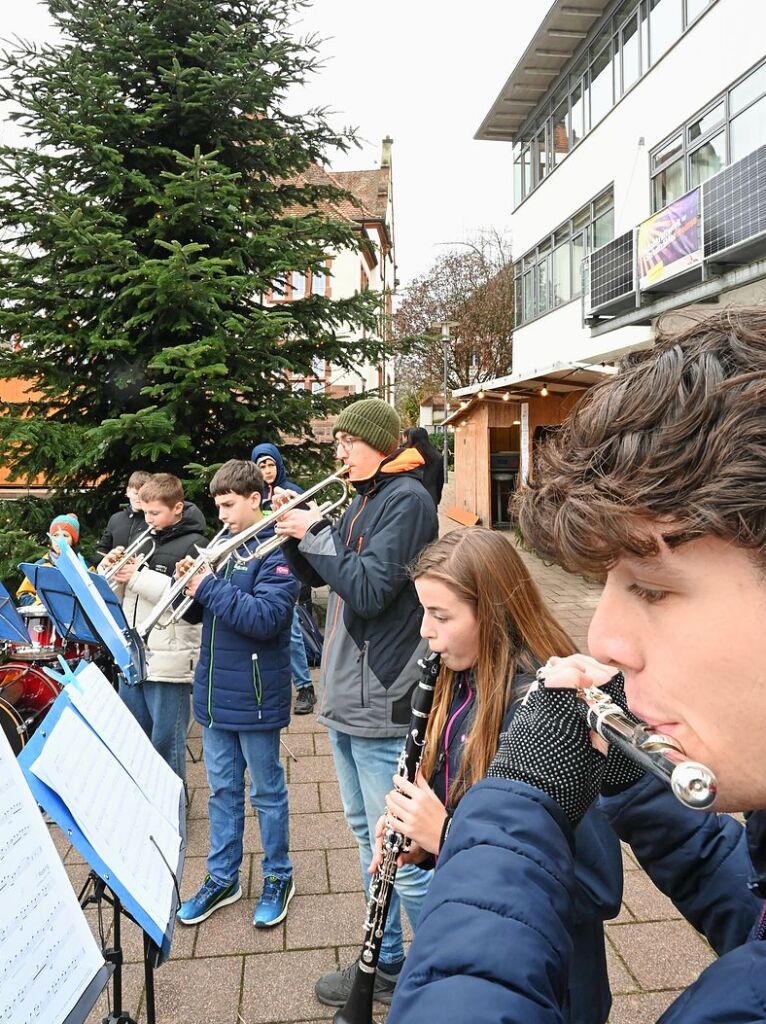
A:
x: 267, y: 546
x: 221, y: 549
x: 131, y: 551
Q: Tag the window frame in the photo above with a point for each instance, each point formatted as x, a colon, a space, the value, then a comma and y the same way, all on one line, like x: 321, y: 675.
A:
x: 688, y: 149
x: 607, y: 32
x: 538, y: 262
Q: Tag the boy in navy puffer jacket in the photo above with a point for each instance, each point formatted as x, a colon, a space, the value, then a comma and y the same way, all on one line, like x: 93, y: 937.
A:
x: 242, y: 700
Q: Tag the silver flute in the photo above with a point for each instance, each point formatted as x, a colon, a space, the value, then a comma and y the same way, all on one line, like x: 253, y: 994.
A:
x: 691, y: 782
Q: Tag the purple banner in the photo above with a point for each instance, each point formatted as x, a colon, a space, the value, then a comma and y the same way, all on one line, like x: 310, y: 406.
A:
x: 669, y: 242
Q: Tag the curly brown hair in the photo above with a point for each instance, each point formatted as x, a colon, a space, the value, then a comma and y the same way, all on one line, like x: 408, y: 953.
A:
x: 676, y: 439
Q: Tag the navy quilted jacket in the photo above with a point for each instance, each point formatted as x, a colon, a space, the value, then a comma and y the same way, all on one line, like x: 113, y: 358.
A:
x: 495, y: 938
x: 242, y: 681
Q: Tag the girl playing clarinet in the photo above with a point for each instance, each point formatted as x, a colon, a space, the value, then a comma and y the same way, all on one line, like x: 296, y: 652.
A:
x: 484, y: 615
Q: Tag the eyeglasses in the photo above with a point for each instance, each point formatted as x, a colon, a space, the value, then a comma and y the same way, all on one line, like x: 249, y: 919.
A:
x: 345, y: 443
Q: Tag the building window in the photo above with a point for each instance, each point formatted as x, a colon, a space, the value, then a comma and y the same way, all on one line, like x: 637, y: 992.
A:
x: 279, y: 288
x: 625, y: 44
x: 708, y: 160
x: 747, y: 130
x: 318, y: 366
x: 551, y: 274
x: 665, y: 26
x: 318, y: 282
x: 298, y: 285
x: 728, y: 128
x: 630, y: 60
x: 601, y: 86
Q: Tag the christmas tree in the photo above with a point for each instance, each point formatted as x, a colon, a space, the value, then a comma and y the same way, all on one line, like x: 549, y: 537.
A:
x: 165, y: 186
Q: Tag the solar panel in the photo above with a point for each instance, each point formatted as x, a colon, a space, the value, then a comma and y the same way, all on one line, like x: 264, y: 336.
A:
x: 611, y: 271
x: 734, y: 204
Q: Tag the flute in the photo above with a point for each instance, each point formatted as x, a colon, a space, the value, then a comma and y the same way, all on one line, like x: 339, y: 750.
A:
x: 691, y: 782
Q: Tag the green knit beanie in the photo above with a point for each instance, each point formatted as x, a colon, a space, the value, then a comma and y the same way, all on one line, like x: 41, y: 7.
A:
x: 372, y: 420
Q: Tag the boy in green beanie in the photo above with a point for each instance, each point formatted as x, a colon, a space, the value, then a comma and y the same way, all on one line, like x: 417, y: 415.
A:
x: 372, y: 640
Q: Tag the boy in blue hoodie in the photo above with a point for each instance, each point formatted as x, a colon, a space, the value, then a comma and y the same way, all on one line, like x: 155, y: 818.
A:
x: 268, y: 459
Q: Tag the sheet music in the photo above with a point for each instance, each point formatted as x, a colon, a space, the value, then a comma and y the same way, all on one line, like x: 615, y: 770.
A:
x: 47, y: 953
x: 98, y: 703
x: 118, y: 821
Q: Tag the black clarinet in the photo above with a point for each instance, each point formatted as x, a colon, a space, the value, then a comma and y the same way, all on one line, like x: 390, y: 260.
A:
x: 358, y: 1008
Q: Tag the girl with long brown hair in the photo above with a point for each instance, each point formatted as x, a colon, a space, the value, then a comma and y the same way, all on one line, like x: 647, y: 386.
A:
x: 483, y: 613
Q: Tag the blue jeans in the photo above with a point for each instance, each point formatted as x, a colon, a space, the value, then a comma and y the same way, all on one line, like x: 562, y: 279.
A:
x: 364, y: 767
x: 299, y: 666
x: 162, y: 710
x: 226, y: 754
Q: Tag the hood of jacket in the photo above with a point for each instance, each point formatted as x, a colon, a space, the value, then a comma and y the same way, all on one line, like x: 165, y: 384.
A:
x: 274, y: 453
x: 402, y: 462
x: 191, y: 521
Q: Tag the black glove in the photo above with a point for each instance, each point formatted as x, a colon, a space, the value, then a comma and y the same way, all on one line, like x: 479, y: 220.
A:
x: 620, y: 771
x: 548, y: 746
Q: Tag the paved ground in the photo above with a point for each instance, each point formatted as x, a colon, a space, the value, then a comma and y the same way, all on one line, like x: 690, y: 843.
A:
x: 226, y: 972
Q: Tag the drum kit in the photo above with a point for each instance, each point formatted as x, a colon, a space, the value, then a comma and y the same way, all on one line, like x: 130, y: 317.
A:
x: 26, y: 689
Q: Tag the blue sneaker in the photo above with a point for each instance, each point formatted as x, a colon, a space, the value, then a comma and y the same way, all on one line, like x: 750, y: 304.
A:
x: 272, y: 906
x: 210, y: 897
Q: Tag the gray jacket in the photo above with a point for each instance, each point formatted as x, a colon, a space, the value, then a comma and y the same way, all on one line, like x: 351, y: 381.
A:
x: 372, y: 636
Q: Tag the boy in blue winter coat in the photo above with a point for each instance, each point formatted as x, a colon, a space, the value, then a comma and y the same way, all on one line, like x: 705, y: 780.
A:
x: 241, y: 698
x: 268, y: 459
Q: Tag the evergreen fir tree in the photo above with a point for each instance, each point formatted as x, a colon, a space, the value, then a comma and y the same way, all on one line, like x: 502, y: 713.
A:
x: 164, y: 188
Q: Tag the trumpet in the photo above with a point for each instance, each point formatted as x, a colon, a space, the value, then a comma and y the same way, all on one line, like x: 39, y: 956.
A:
x: 205, y: 557
x: 691, y: 782
x: 216, y: 554
x: 327, y: 508
x: 131, y: 551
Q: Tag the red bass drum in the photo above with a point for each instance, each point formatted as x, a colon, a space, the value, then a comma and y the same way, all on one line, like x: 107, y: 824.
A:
x: 26, y: 693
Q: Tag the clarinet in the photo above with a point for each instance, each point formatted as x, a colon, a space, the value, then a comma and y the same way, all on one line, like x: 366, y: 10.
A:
x: 358, y: 1008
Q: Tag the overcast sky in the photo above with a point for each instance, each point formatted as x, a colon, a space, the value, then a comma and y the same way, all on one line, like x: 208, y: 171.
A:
x: 425, y: 72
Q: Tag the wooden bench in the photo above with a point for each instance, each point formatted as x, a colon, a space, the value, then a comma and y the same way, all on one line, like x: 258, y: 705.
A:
x: 462, y: 516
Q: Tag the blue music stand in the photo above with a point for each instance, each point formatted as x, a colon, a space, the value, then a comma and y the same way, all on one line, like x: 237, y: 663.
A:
x: 12, y: 626
x: 106, y: 885
x: 84, y: 607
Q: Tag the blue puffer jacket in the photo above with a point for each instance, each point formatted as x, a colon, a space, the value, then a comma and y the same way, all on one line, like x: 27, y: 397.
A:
x: 242, y: 680
x: 281, y: 479
x: 500, y: 949
x: 598, y: 862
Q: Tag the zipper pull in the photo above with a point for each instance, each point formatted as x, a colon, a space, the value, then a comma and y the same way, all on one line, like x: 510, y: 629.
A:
x: 362, y: 652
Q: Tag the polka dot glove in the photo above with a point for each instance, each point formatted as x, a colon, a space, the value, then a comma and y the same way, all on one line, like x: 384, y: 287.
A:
x: 548, y: 746
x: 620, y: 772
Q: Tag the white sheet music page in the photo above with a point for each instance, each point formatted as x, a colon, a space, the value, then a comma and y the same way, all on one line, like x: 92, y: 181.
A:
x: 48, y: 956
x: 98, y: 703
x: 118, y: 821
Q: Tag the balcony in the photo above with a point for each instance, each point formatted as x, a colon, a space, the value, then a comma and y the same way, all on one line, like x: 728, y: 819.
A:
x: 702, y: 244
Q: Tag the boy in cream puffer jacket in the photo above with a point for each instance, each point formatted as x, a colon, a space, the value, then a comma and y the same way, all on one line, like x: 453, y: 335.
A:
x: 161, y: 704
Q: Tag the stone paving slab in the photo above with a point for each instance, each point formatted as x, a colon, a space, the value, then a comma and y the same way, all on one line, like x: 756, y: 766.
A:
x: 226, y: 972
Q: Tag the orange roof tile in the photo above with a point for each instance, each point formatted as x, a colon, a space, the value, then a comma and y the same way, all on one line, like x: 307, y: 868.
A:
x: 370, y: 187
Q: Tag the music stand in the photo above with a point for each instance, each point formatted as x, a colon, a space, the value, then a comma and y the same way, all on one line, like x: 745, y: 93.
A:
x: 46, y: 918
x: 12, y: 626
x: 83, y: 607
x: 107, y: 887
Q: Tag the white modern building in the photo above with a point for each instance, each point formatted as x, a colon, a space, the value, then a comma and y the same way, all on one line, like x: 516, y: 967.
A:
x: 615, y: 111
x: 638, y: 134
